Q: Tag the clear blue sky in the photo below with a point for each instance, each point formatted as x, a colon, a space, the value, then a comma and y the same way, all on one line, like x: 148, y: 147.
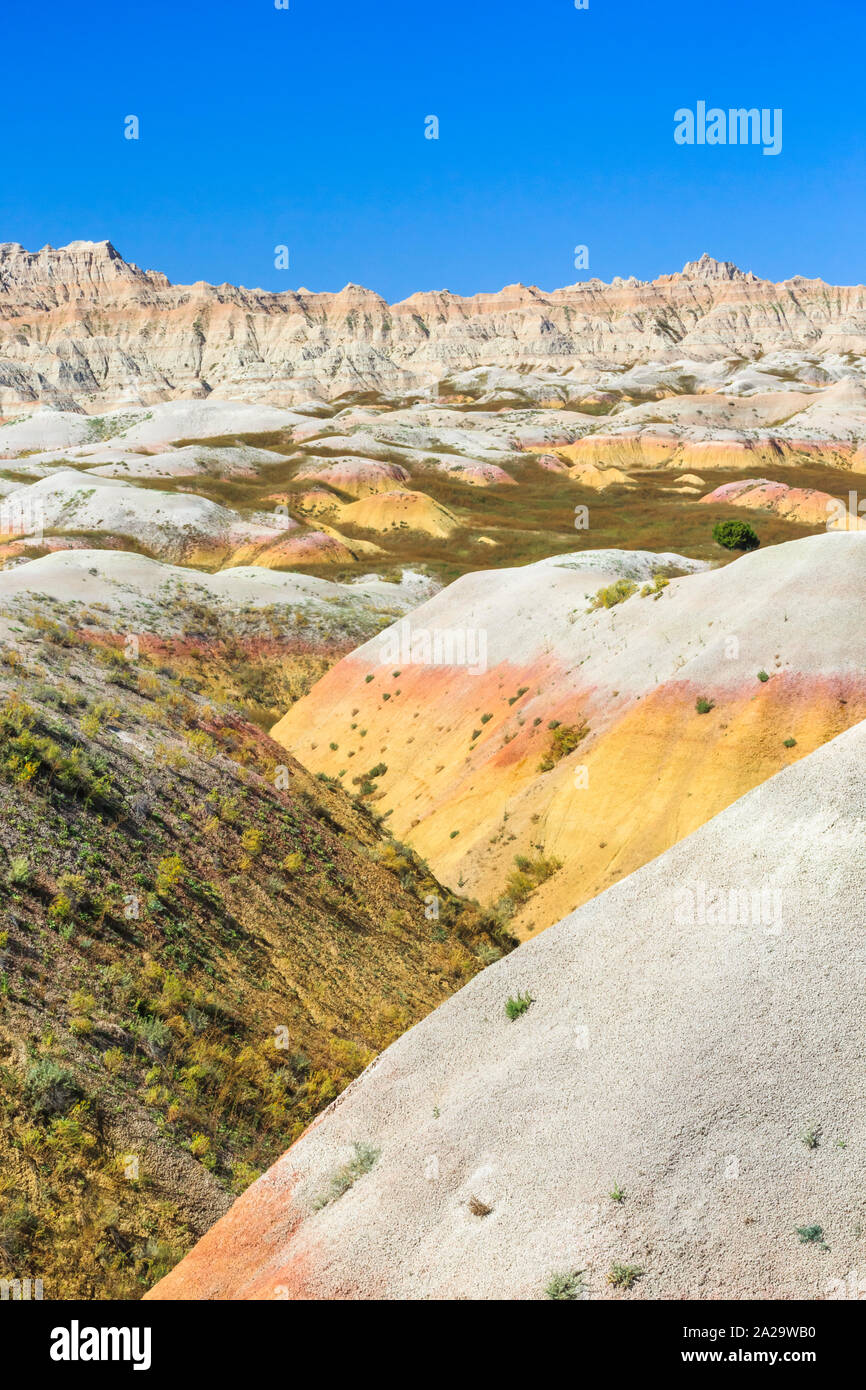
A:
x: 305, y: 127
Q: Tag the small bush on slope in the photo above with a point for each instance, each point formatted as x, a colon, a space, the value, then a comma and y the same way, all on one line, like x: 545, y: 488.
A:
x: 528, y: 875
x: 514, y: 1007
x: 566, y: 1286
x: 623, y: 1276
x: 564, y: 739
x: 613, y: 594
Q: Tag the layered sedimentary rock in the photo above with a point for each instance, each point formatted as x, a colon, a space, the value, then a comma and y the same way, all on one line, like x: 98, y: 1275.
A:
x: 515, y: 715
x: 807, y: 505
x: 80, y: 326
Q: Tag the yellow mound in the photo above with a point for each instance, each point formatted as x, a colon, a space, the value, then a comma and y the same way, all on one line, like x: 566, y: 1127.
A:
x: 599, y: 478
x: 399, y: 510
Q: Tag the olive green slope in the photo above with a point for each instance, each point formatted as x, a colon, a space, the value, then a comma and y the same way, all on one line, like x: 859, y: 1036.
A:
x: 200, y: 945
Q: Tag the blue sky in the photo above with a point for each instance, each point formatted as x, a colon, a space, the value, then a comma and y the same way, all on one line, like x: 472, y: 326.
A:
x: 262, y: 127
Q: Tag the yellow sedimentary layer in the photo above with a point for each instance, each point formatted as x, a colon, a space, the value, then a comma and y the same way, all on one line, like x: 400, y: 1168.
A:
x: 649, y: 450
x: 653, y: 768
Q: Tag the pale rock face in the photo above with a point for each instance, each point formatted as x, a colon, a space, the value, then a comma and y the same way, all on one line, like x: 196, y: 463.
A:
x: 83, y: 329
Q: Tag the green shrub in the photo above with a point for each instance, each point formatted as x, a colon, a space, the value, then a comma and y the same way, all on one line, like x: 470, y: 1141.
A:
x: 735, y: 535
x: 514, y: 1007
x: 253, y: 840
x: 811, y: 1235
x: 623, y: 1276
x: 613, y: 594
x: 50, y: 1088
x: 566, y: 1286
x: 19, y: 871
x: 364, y: 1158
x: 529, y: 874
x: 169, y: 871
x: 564, y: 740
x: 60, y: 908
x: 18, y: 1225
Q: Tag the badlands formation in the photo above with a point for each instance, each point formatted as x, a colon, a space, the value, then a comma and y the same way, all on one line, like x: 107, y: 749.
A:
x: 571, y: 733
x: 215, y: 426
x: 448, y: 567
x: 81, y: 326
x: 219, y: 426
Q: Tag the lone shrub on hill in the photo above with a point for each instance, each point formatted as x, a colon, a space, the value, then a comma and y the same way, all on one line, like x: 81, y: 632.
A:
x: 735, y: 535
x: 529, y: 875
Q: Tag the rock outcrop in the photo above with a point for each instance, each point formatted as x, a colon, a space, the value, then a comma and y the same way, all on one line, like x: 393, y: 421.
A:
x: 81, y: 328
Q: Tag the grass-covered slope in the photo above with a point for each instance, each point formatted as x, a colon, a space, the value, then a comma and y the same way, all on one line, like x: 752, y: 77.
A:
x: 200, y: 945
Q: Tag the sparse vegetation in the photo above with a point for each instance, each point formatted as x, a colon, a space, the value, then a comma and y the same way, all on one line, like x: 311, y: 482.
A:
x: 703, y: 705
x: 654, y: 590
x: 19, y: 871
x: 564, y: 739
x: 567, y: 1286
x: 528, y: 875
x: 364, y: 1158
x: 144, y: 934
x: 622, y: 1276
x: 613, y: 594
x: 517, y: 1005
